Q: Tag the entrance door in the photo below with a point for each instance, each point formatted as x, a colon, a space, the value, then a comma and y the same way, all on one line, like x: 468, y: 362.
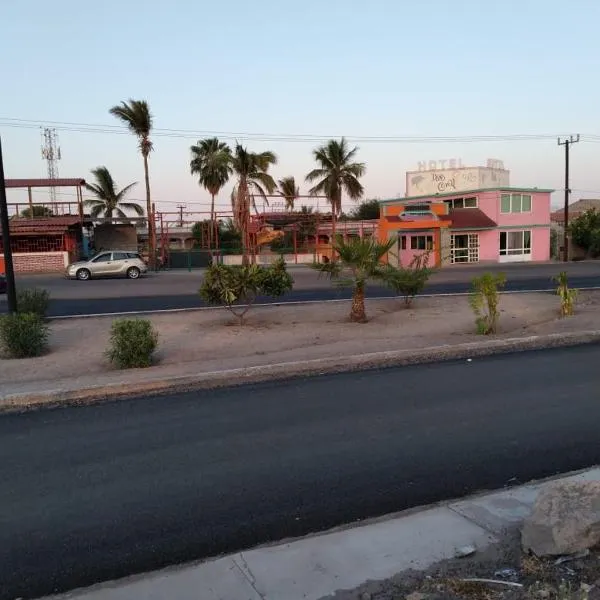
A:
x: 464, y: 248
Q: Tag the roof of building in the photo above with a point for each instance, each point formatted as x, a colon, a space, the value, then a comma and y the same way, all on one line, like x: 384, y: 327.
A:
x: 44, y: 225
x: 576, y: 209
x: 458, y: 218
x: 469, y: 218
x: 467, y: 193
x: 31, y: 183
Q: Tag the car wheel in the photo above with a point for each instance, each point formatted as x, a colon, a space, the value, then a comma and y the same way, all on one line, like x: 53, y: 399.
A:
x: 83, y: 274
x: 133, y: 273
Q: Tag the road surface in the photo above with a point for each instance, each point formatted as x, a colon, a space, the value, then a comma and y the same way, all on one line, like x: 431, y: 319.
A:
x: 99, y: 492
x: 179, y: 289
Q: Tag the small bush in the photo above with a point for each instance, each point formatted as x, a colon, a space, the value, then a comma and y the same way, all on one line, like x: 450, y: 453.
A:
x: 411, y: 280
x: 567, y: 295
x: 237, y: 287
x: 132, y: 343
x: 34, y: 301
x: 23, y: 335
x: 484, y: 301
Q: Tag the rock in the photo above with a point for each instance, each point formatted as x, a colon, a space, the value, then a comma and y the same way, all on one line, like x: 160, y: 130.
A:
x: 465, y: 551
x: 565, y: 519
x: 417, y: 596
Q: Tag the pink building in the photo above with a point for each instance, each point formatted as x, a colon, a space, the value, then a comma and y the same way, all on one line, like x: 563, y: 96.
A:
x: 492, y: 224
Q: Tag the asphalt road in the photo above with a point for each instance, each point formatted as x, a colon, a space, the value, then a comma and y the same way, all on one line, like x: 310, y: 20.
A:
x: 177, y: 290
x: 99, y: 492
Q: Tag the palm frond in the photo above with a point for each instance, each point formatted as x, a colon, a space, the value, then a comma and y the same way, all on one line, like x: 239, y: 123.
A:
x: 133, y: 206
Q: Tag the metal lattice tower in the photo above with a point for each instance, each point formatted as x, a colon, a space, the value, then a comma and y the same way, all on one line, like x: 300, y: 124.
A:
x: 51, y: 154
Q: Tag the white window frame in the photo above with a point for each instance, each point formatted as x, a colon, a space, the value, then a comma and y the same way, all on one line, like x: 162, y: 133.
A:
x: 515, y: 250
x: 512, y: 197
x: 452, y: 202
x: 470, y: 254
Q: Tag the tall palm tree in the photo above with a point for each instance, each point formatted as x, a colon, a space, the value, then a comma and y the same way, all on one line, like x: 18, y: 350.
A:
x: 108, y: 200
x: 337, y: 173
x: 136, y: 115
x: 253, y: 179
x: 211, y: 161
x: 288, y: 190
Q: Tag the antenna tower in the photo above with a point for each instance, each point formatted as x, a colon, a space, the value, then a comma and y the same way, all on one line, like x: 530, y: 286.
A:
x: 51, y: 154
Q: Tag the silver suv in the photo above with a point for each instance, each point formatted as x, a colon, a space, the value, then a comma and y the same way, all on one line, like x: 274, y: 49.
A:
x: 112, y: 263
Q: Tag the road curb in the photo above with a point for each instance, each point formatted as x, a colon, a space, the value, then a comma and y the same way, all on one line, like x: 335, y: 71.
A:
x: 288, y: 370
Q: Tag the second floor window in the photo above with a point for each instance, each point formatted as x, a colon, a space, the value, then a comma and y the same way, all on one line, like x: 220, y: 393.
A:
x: 515, y: 203
x: 470, y: 202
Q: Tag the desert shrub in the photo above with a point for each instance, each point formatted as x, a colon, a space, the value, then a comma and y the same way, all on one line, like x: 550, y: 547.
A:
x: 23, y: 335
x: 411, y: 280
x: 34, y: 301
x: 484, y: 301
x: 567, y: 295
x: 585, y: 232
x: 237, y: 287
x: 132, y: 343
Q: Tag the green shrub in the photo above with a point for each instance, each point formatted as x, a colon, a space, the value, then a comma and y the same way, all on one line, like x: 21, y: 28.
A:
x: 34, y: 301
x: 567, y: 295
x: 411, y: 280
x: 484, y: 301
x: 237, y: 287
x: 23, y: 335
x: 132, y: 343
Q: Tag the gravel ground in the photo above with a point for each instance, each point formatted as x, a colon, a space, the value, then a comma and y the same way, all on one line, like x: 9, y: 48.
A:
x: 519, y: 577
x: 212, y: 340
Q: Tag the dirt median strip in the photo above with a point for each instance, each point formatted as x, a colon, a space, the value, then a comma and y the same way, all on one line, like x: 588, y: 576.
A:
x: 63, y: 396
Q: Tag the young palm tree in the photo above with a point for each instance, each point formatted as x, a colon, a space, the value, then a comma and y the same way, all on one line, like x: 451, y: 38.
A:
x: 211, y: 161
x: 337, y: 173
x: 288, y: 190
x: 253, y: 179
x: 108, y: 200
x: 361, y: 258
x: 136, y: 115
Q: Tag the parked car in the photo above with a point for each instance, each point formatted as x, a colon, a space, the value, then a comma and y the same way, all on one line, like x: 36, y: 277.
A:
x: 113, y: 263
x: 2, y: 283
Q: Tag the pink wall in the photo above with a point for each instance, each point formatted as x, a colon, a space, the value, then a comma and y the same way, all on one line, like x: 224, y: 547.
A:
x: 489, y: 203
x: 540, y: 243
x: 489, y: 245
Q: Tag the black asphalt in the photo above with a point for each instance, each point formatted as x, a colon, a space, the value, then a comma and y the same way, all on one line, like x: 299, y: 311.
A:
x: 65, y: 307
x: 99, y: 492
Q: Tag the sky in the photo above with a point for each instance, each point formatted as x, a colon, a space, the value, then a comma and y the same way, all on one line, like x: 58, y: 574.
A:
x: 260, y: 71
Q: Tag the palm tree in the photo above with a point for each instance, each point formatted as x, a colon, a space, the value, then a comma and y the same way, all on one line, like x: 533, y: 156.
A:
x: 136, y: 115
x: 253, y: 179
x: 337, y: 173
x: 108, y: 200
x: 288, y: 190
x: 211, y: 161
x: 362, y: 258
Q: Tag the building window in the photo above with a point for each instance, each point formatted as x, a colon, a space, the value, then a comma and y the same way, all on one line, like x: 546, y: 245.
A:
x: 421, y: 242
x: 464, y: 248
x: 515, y: 243
x: 515, y: 203
x: 403, y: 242
x: 470, y: 202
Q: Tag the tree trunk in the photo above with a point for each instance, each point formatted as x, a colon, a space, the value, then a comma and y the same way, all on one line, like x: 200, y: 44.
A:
x: 151, y: 249
x: 357, y: 312
x: 212, y: 222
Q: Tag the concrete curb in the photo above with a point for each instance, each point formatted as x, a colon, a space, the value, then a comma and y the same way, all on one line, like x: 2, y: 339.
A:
x: 288, y: 370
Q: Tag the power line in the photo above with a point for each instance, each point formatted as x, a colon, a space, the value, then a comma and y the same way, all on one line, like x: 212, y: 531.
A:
x: 281, y: 137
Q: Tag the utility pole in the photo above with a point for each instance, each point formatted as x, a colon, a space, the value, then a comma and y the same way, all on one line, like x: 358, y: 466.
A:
x: 11, y: 291
x: 181, y: 207
x: 572, y: 139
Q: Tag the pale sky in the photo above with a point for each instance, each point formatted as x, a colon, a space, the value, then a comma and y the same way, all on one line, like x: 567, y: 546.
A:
x: 271, y: 69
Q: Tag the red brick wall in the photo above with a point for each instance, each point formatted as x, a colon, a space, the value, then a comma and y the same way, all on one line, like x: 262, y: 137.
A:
x: 49, y: 262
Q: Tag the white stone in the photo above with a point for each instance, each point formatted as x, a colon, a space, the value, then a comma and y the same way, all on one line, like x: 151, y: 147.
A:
x: 565, y: 519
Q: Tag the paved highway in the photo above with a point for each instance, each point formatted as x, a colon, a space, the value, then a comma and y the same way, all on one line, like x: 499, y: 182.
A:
x: 177, y: 290
x: 99, y: 492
